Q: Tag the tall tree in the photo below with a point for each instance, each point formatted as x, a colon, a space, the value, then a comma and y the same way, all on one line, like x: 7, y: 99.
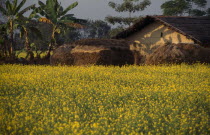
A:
x: 55, y: 15
x: 129, y: 6
x: 13, y: 13
x: 184, y: 7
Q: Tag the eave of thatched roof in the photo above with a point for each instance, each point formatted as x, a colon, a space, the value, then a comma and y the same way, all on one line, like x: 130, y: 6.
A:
x: 102, y: 42
x: 134, y: 28
x: 195, y: 28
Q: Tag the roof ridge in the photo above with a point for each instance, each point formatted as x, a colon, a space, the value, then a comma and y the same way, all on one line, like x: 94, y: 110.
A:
x: 180, y: 24
x: 178, y: 30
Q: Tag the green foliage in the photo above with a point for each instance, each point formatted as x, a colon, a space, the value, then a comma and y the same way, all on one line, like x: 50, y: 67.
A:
x: 197, y: 12
x: 96, y: 29
x: 199, y: 3
x: 92, y: 29
x: 121, y: 20
x: 41, y: 43
x: 115, y: 31
x: 70, y: 36
x: 14, y: 13
x: 174, y: 7
x: 105, y: 100
x: 130, y: 6
x: 184, y: 7
x: 3, y: 40
x: 57, y: 16
x: 12, y: 10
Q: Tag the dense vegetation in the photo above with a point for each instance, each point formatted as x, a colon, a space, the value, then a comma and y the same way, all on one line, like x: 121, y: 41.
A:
x: 105, y: 100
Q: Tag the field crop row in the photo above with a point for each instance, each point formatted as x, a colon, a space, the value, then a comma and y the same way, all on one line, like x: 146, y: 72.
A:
x: 105, y: 100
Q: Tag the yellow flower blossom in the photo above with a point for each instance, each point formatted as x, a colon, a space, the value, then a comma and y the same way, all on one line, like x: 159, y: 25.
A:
x: 105, y: 100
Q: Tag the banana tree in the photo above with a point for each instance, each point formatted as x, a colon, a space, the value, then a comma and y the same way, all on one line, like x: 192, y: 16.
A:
x: 25, y: 26
x: 3, y: 40
x: 53, y: 13
x: 13, y: 13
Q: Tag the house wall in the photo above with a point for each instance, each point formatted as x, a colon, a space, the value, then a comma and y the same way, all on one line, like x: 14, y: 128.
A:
x: 153, y: 36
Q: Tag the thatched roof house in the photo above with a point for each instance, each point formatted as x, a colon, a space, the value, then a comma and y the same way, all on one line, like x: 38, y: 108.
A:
x: 162, y: 29
x: 151, y: 32
x: 93, y: 52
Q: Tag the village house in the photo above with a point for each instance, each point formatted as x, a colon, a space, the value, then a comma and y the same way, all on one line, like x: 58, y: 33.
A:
x: 178, y: 39
x: 153, y: 31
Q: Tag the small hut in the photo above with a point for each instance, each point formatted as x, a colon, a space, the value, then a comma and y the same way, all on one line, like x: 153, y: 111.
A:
x: 62, y: 55
x: 93, y: 52
x: 179, y: 53
x: 150, y: 32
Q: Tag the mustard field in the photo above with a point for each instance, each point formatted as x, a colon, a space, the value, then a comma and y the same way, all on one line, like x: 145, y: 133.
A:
x: 105, y: 100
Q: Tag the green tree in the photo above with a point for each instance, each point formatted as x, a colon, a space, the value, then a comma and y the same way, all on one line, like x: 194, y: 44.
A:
x: 26, y: 27
x: 71, y: 35
x: 96, y: 29
x: 113, y: 32
x: 14, y: 13
x: 3, y: 40
x: 184, y: 7
x: 129, y: 6
x: 55, y: 15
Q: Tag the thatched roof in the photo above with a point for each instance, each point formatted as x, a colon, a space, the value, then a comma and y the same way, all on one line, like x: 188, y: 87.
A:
x: 93, y: 52
x: 178, y: 53
x: 110, y: 43
x: 195, y: 28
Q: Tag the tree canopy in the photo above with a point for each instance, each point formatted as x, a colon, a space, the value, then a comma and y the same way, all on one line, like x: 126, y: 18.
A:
x: 184, y: 7
x: 129, y: 6
x: 14, y: 14
x: 53, y: 13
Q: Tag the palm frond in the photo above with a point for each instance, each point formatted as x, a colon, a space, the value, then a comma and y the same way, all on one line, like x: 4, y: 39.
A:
x: 20, y: 5
x: 40, y: 11
x: 34, y: 15
x: 69, y: 8
x: 3, y: 11
x: 70, y: 17
x: 9, y: 8
x: 26, y: 9
x: 50, y: 9
x: 14, y: 5
x: 67, y: 17
x: 41, y: 3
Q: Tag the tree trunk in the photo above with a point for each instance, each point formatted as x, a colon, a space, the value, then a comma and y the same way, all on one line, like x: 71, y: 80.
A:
x: 52, y: 42
x: 49, y: 51
x: 11, y: 53
x: 30, y: 54
x: 5, y: 49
